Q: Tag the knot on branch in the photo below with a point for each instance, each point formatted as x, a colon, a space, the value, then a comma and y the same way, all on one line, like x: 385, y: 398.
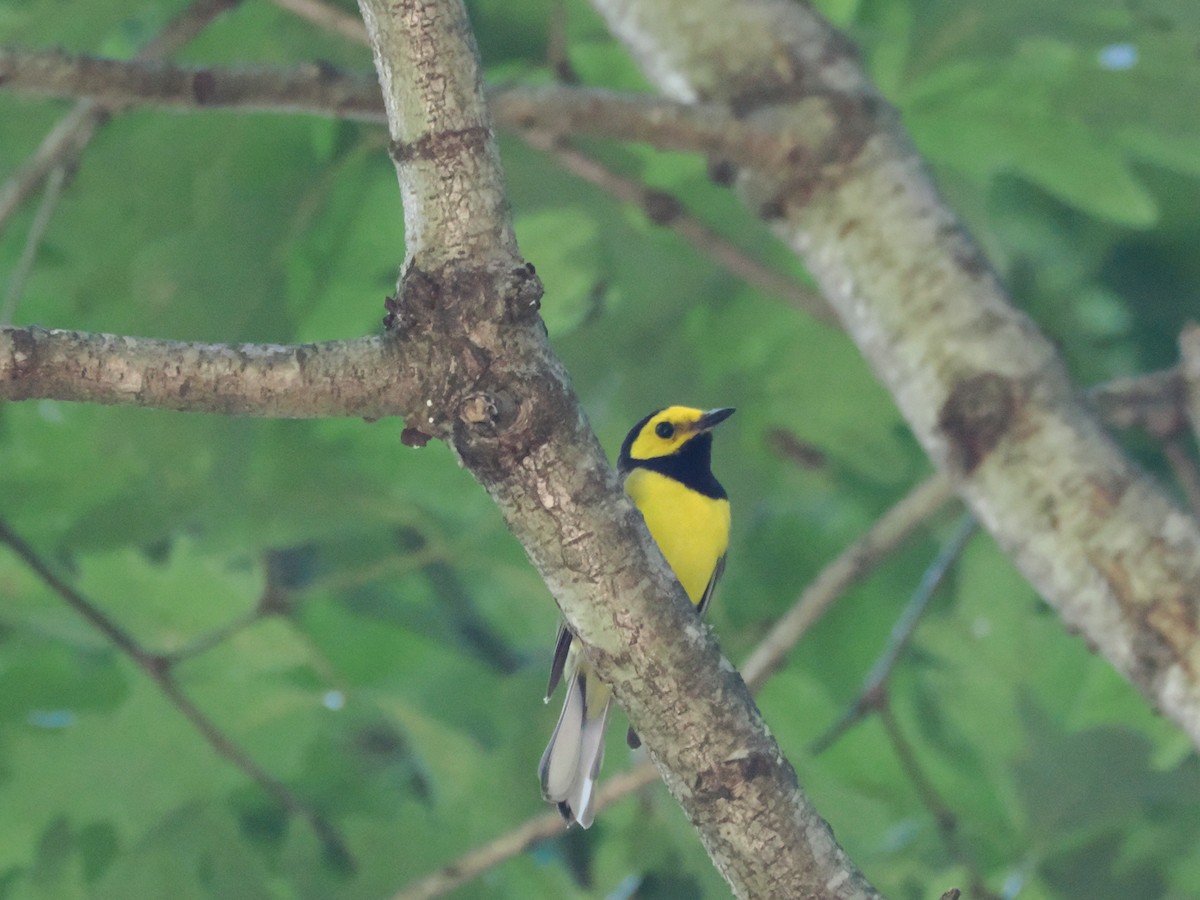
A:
x: 466, y: 322
x: 480, y: 410
x: 413, y: 307
x: 522, y: 294
x: 980, y: 410
x: 454, y: 300
x: 730, y: 779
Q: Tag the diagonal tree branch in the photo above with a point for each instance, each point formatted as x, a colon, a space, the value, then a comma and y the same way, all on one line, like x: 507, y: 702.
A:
x: 158, y: 670
x: 889, y: 532
x: 61, y: 147
x: 664, y: 210
x: 508, y: 411
x: 981, y: 387
x: 853, y: 564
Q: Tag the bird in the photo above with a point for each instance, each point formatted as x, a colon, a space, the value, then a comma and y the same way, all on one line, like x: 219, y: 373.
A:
x: 665, y: 463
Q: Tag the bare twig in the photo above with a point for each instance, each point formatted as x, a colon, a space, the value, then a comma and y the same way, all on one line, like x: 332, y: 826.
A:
x: 158, y: 669
x: 305, y: 89
x: 213, y: 637
x: 329, y: 18
x: 893, y: 528
x: 943, y: 815
x: 474, y: 863
x: 874, y: 685
x: 854, y: 563
x: 33, y: 242
x: 58, y: 149
x: 663, y: 209
x: 322, y: 90
x: 61, y: 147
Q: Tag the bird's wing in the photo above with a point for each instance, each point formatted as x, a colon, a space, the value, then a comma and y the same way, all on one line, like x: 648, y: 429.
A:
x: 712, y: 586
x: 561, y: 645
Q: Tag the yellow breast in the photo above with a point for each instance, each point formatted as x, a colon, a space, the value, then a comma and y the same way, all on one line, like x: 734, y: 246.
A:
x: 691, y: 530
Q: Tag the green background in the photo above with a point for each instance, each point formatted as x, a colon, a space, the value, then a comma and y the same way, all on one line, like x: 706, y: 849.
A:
x: 400, y: 689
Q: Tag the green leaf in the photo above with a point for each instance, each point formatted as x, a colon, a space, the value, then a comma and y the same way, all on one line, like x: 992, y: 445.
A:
x: 564, y: 245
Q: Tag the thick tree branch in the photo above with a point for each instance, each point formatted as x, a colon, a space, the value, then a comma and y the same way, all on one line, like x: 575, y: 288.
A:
x: 507, y: 408
x: 364, y: 377
x: 981, y: 387
x: 854, y: 563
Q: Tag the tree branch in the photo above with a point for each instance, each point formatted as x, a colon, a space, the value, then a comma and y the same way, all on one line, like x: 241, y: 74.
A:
x: 55, y: 183
x: 889, y: 532
x: 158, y: 670
x: 854, y: 563
x: 63, y: 144
x: 508, y: 411
x: 324, y: 91
x: 312, y: 89
x: 364, y: 377
x: 874, y: 686
x: 664, y: 210
x: 982, y: 389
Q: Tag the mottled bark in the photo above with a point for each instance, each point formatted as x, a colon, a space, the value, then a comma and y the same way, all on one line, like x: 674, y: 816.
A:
x: 982, y: 388
x: 506, y: 406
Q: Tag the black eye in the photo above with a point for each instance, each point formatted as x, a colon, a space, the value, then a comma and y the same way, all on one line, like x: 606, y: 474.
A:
x: 664, y: 430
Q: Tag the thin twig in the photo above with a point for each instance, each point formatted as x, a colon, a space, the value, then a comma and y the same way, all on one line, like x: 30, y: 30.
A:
x: 889, y: 531
x: 854, y: 563
x: 58, y: 149
x: 705, y: 128
x: 214, y: 637
x: 33, y: 242
x: 328, y: 18
x: 943, y: 815
x: 665, y: 210
x: 158, y: 669
x: 64, y: 143
x: 474, y: 863
x: 873, y: 688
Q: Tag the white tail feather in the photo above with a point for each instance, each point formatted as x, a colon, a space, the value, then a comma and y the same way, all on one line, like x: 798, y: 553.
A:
x: 572, y: 760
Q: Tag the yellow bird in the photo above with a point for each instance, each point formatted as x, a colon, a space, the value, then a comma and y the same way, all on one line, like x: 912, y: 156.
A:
x: 666, y: 464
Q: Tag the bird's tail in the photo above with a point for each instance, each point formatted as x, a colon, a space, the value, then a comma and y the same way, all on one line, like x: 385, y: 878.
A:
x: 572, y: 760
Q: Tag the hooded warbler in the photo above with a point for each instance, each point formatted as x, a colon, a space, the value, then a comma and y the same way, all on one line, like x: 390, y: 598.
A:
x: 665, y: 463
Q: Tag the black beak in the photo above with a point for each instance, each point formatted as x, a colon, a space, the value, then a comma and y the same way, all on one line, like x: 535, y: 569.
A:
x: 713, y: 418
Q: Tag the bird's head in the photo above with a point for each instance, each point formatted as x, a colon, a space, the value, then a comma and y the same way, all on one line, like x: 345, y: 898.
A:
x: 667, y: 431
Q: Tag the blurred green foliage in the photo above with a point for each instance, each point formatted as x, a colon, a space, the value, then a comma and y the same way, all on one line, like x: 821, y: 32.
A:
x: 398, y: 686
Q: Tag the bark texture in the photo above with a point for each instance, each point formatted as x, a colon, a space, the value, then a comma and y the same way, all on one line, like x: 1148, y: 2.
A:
x: 982, y: 388
x: 466, y: 311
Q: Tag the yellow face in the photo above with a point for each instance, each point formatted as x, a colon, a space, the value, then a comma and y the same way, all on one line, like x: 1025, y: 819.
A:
x: 666, y: 431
